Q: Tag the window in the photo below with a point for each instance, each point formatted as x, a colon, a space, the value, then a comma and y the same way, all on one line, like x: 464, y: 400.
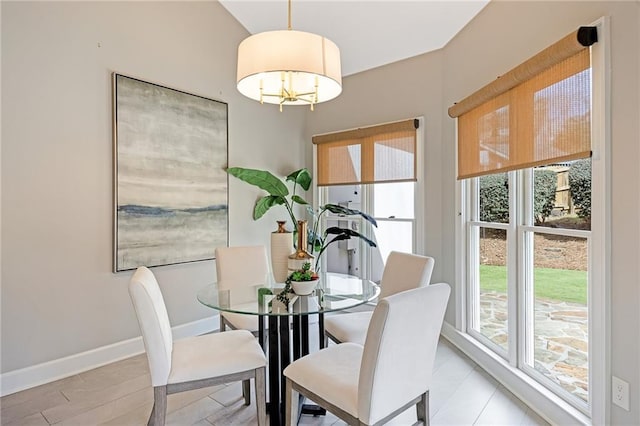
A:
x: 394, y: 210
x: 375, y: 170
x: 533, y: 221
x: 527, y: 275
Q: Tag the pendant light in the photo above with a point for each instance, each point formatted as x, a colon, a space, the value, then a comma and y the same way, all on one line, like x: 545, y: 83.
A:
x: 289, y: 67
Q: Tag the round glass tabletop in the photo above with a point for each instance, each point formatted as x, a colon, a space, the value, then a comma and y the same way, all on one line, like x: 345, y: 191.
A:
x: 334, y: 292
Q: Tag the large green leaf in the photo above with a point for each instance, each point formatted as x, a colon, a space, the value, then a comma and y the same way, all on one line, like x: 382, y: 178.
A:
x: 335, y: 230
x: 336, y: 209
x: 302, y: 177
x: 298, y: 199
x: 262, y: 179
x: 265, y: 203
x: 340, y: 237
x: 341, y: 234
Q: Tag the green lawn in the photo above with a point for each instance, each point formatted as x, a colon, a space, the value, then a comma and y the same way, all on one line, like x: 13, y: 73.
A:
x: 556, y: 284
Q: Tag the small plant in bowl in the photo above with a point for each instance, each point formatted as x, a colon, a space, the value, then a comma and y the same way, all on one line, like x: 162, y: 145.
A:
x: 304, y: 274
x: 302, y: 281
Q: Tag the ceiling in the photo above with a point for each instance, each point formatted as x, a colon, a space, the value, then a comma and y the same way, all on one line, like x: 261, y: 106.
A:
x: 369, y: 33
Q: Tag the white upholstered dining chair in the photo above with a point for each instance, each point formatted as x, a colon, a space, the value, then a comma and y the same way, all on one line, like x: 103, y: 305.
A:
x: 194, y: 362
x: 403, y: 271
x: 371, y: 384
x: 241, y: 268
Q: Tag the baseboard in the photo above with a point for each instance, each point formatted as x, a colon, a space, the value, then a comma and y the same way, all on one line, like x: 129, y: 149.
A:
x: 25, y: 378
x: 550, y: 407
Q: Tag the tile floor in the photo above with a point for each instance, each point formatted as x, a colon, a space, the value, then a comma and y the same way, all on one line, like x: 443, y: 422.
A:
x: 120, y: 394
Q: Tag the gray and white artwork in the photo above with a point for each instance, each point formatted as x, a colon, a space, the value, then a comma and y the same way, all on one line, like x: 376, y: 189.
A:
x: 170, y: 183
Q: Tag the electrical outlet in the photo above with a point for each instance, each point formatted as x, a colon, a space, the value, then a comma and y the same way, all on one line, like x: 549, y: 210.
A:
x: 620, y: 392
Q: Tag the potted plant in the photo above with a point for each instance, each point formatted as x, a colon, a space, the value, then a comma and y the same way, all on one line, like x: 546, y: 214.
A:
x: 302, y: 281
x: 279, y: 194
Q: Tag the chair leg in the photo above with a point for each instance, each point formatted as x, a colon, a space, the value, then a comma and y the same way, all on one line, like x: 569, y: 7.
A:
x: 422, y: 409
x: 291, y: 402
x: 261, y: 395
x: 159, y: 410
x: 246, y: 391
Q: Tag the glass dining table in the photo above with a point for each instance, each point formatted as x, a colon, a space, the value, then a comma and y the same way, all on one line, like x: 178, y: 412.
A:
x: 285, y: 337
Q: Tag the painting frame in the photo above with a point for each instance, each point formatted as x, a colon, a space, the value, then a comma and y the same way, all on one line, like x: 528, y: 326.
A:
x: 170, y: 187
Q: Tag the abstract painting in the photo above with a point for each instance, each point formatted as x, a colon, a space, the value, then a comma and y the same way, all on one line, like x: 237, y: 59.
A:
x: 170, y: 184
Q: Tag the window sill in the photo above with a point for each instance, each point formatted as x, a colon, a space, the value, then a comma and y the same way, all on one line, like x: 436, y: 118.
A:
x: 544, y: 402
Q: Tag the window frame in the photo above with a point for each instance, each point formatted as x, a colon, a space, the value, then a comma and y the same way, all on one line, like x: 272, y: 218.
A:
x: 552, y: 407
x: 520, y: 277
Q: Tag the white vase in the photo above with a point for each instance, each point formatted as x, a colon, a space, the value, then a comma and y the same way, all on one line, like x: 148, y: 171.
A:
x: 281, y: 246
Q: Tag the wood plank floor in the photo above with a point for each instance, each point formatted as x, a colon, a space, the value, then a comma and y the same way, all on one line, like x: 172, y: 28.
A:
x: 120, y: 394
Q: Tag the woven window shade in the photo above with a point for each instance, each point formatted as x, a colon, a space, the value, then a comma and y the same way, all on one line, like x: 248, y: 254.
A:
x: 542, y: 120
x: 385, y: 153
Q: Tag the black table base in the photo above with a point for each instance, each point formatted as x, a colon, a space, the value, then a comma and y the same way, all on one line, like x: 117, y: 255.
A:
x: 279, y: 347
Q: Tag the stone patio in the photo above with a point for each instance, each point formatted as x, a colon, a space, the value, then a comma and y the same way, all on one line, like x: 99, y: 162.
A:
x: 561, y: 338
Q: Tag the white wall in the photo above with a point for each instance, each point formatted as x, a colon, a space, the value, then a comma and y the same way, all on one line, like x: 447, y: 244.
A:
x: 59, y: 296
